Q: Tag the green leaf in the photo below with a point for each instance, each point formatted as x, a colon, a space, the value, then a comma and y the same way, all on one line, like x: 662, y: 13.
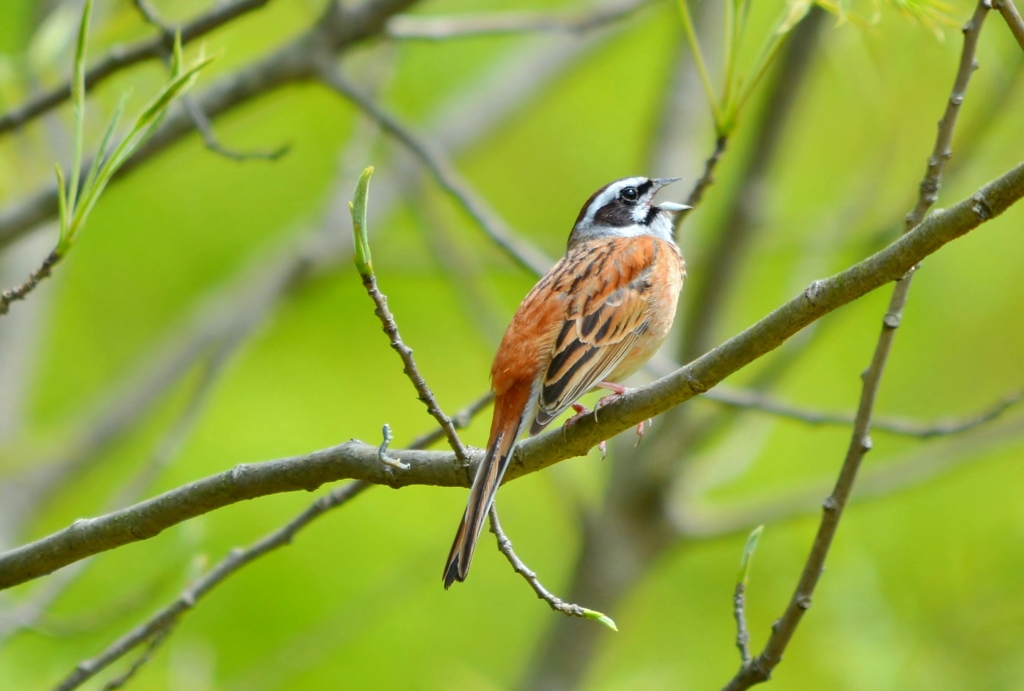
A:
x: 78, y: 103
x: 603, y: 618
x: 748, y: 554
x: 62, y: 209
x: 363, y: 260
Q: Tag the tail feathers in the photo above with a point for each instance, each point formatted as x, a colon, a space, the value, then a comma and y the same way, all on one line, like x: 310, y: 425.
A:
x: 481, y: 496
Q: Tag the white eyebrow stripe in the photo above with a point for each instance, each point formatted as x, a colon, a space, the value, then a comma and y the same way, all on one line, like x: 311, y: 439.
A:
x: 610, y: 193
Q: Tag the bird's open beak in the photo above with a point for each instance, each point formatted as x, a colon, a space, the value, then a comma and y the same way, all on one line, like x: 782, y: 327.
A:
x: 669, y: 206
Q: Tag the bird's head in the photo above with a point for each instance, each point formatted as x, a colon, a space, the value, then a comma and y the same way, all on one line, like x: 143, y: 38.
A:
x: 625, y: 208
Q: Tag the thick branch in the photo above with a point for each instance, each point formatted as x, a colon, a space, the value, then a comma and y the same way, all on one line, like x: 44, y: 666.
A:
x: 357, y: 460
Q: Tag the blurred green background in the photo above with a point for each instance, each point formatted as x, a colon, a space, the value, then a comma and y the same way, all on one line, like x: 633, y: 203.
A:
x: 924, y: 586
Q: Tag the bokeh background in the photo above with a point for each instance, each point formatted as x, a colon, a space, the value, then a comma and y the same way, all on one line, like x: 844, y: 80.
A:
x: 924, y: 586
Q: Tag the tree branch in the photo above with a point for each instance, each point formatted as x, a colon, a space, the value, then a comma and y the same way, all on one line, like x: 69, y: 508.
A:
x: 120, y: 58
x: 754, y: 400
x: 357, y: 460
x: 339, y: 28
x: 554, y: 602
x: 525, y: 254
x: 1012, y: 17
x: 166, y: 618
x: 759, y: 669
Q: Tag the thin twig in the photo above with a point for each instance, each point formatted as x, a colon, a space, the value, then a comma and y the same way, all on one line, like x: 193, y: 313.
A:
x: 21, y: 291
x: 707, y: 178
x: 525, y: 254
x: 739, y: 605
x: 1012, y: 17
x: 123, y: 57
x: 734, y: 237
x: 567, y: 608
x: 906, y: 470
x: 405, y: 27
x: 759, y: 669
x: 754, y: 400
x: 338, y: 28
x: 199, y: 118
x: 390, y: 327
x: 137, y: 664
x: 356, y: 460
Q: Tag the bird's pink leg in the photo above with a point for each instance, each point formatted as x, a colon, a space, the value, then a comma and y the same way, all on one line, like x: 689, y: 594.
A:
x: 616, y: 391
x: 582, y: 410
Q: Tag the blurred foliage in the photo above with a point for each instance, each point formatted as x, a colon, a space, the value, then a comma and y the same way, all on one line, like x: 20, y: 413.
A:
x: 923, y: 587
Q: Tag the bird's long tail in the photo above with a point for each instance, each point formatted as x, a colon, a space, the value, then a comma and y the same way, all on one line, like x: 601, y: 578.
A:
x: 505, y: 429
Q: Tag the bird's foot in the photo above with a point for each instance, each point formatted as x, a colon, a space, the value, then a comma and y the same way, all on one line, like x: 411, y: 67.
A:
x: 616, y: 391
x: 582, y: 410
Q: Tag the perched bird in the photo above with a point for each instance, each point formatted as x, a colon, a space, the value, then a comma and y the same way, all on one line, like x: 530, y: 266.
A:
x: 597, y: 316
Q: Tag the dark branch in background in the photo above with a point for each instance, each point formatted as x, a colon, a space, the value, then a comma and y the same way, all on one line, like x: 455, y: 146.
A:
x: 753, y: 400
x: 760, y: 669
x: 444, y: 173
x: 706, y: 179
x: 1012, y: 17
x: 732, y: 239
x: 442, y: 28
x: 27, y: 614
x: 338, y: 29
x: 164, y: 620
x: 356, y: 460
x: 199, y: 119
x: 554, y: 602
x: 120, y: 58
x: 906, y: 470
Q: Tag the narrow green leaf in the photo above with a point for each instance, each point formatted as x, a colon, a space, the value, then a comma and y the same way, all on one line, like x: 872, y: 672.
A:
x: 78, y: 103
x: 603, y: 618
x: 363, y: 260
x: 102, y: 153
x: 62, y: 208
x: 140, y: 129
x: 748, y: 554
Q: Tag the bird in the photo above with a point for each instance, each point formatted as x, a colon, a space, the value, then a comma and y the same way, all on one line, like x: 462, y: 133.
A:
x: 595, y: 318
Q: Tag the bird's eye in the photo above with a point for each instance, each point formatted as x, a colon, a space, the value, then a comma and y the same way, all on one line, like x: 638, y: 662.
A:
x: 629, y: 194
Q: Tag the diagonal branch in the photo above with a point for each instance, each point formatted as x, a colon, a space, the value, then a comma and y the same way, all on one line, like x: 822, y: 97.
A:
x: 357, y: 460
x: 1012, y: 17
x: 339, y: 28
x: 525, y: 254
x: 123, y: 57
x: 759, y: 669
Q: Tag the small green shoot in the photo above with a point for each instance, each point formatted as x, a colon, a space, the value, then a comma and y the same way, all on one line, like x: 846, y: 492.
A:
x: 364, y: 263
x: 77, y: 200
x: 748, y: 554
x: 603, y: 618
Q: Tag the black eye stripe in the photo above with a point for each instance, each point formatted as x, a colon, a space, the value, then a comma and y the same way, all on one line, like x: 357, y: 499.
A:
x: 644, y: 187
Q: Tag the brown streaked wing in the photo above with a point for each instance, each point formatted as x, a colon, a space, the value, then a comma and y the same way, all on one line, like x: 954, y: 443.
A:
x: 607, y: 312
